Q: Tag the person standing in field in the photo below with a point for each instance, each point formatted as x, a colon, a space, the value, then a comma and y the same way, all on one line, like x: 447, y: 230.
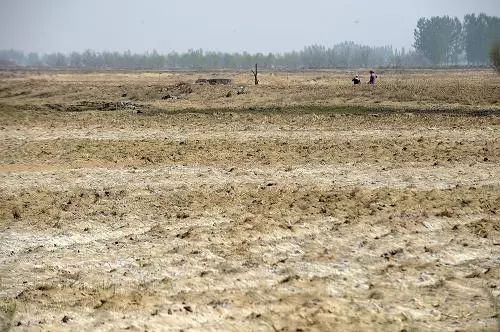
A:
x: 356, y: 80
x: 373, y: 77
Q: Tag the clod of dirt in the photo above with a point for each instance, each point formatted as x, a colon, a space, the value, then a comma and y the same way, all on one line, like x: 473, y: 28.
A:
x: 445, y: 213
x: 184, y: 235
x: 66, y: 319
x: 182, y: 215
x: 376, y: 295
x: 484, y: 228
x: 289, y: 278
x: 229, y: 94
x: 16, y: 214
x: 392, y: 253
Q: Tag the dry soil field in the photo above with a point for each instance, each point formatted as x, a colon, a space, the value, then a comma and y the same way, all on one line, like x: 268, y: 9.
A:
x: 143, y: 201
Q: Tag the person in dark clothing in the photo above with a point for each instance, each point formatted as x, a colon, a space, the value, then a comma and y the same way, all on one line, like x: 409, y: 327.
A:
x: 373, y: 77
x: 356, y: 80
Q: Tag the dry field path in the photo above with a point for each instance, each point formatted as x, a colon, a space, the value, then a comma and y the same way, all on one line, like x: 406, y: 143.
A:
x: 247, y: 220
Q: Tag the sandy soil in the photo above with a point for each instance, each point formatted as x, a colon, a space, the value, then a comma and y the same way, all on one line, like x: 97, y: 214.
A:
x: 247, y: 220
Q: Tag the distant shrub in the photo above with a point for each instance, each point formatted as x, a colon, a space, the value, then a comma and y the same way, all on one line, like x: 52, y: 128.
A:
x: 495, y: 55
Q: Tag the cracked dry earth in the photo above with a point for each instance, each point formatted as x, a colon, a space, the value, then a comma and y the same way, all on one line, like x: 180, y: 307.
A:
x: 249, y: 221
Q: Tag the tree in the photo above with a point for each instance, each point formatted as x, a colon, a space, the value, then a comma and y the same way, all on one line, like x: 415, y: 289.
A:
x: 12, y: 55
x: 439, y: 39
x: 255, y: 73
x: 495, y: 56
x: 56, y: 60
x: 346, y: 54
x: 480, y: 32
x: 75, y: 60
x: 89, y: 59
x: 33, y: 59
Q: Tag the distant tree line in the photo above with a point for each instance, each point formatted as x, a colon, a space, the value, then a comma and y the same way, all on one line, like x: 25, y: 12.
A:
x: 445, y: 40
x: 438, y: 41
x: 343, y: 55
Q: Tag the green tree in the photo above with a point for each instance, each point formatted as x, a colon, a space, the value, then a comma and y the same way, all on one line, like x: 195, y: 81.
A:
x: 56, y: 60
x: 33, y: 59
x: 480, y: 32
x: 495, y: 55
x: 439, y: 39
x: 75, y: 60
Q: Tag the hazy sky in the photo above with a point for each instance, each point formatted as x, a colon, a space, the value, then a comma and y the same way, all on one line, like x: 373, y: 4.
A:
x: 219, y: 25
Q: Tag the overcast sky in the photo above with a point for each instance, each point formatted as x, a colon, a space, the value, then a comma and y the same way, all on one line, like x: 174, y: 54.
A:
x: 218, y: 25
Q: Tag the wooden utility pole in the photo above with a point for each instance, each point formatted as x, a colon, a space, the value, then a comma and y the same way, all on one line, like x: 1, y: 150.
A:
x: 255, y: 74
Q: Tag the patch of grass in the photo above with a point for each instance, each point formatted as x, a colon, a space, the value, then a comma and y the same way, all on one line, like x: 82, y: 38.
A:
x: 306, y: 109
x: 325, y: 109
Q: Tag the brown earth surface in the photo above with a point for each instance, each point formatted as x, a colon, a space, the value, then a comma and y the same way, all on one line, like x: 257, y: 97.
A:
x: 212, y: 213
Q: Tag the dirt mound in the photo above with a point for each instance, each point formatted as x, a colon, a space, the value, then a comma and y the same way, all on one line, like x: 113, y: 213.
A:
x: 214, y: 81
x: 176, y: 91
